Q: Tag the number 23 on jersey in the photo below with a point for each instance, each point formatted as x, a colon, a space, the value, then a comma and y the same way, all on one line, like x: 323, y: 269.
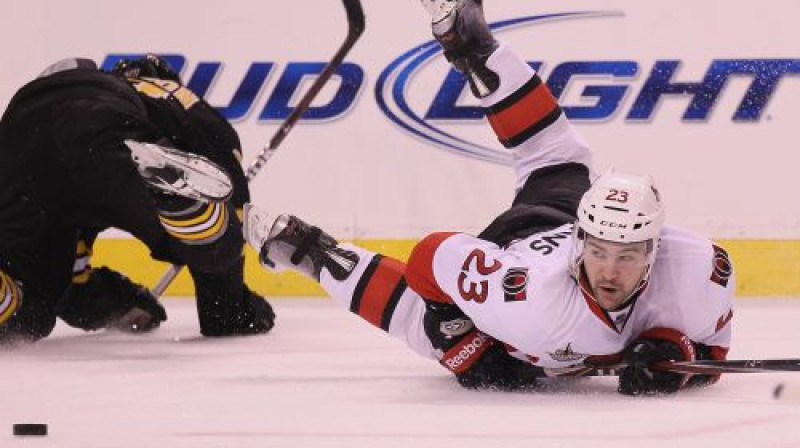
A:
x: 471, y: 290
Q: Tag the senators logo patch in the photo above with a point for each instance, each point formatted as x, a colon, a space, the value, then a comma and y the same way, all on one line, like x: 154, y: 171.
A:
x: 515, y: 284
x: 722, y: 267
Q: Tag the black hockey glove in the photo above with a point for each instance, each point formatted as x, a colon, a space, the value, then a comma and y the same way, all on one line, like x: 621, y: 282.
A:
x: 477, y: 359
x: 227, y: 307
x: 656, y: 344
x: 111, y: 300
x: 498, y: 370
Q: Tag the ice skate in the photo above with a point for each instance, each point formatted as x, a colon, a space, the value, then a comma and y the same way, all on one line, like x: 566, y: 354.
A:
x: 180, y: 173
x: 460, y: 28
x: 456, y: 23
x: 288, y: 242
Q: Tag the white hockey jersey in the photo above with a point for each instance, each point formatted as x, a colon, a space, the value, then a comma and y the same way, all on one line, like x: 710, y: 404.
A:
x: 526, y: 297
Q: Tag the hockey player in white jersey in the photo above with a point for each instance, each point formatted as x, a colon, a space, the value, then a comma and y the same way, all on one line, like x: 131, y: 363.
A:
x: 570, y: 276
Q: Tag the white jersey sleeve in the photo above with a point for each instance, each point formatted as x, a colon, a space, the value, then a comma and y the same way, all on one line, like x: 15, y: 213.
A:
x: 691, y: 289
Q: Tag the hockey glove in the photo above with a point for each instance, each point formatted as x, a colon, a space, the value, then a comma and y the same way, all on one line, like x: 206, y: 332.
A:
x: 227, y: 307
x: 656, y: 344
x: 477, y: 359
x: 498, y: 370
x: 111, y: 300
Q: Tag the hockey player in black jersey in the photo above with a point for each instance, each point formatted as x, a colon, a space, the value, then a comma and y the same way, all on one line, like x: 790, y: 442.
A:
x: 82, y: 150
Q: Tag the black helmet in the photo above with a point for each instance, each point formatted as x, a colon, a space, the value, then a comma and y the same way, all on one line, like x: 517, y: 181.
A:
x: 149, y: 66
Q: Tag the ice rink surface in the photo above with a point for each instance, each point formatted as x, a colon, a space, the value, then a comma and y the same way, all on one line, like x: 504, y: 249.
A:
x: 323, y: 378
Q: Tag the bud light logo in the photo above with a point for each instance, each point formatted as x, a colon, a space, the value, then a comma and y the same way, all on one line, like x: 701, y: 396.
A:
x: 621, y: 89
x: 279, y: 102
x: 395, y: 84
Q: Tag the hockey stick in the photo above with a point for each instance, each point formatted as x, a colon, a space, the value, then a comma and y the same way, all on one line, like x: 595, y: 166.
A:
x: 705, y: 367
x: 355, y: 27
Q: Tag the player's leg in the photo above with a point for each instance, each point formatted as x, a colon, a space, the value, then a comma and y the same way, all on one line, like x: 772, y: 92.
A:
x: 550, y: 158
x: 374, y: 287
x: 33, y: 278
x: 180, y: 173
x: 11, y: 324
x: 208, y: 236
x: 369, y: 284
x: 460, y: 28
x: 204, y: 235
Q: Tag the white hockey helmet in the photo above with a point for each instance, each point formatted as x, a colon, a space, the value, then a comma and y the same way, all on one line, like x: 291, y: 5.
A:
x: 623, y: 208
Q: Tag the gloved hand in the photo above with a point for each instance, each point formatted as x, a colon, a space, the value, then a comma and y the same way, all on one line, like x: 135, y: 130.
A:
x: 248, y: 316
x: 498, y: 370
x: 656, y: 344
x: 111, y: 300
x: 477, y: 359
x: 227, y: 307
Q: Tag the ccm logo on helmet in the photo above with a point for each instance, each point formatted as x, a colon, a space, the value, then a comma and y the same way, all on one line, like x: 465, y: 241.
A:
x: 613, y: 225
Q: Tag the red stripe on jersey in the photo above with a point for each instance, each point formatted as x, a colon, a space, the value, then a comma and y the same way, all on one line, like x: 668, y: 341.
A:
x: 531, y: 110
x: 419, y: 270
x: 723, y: 320
x: 511, y: 349
x: 379, y: 289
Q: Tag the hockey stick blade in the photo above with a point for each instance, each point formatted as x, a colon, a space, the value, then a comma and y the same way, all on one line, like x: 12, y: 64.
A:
x: 355, y: 27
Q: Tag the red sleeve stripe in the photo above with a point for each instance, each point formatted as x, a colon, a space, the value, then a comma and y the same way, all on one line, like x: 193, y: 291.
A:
x: 524, y: 113
x: 419, y: 273
x: 378, y: 291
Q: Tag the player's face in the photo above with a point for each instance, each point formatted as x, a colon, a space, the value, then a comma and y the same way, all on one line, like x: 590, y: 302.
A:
x: 614, y: 269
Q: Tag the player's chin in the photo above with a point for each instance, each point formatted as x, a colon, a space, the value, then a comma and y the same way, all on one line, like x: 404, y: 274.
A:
x: 607, y: 299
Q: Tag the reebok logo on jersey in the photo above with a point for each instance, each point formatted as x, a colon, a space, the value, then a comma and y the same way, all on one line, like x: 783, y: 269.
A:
x: 461, y: 357
x: 515, y: 284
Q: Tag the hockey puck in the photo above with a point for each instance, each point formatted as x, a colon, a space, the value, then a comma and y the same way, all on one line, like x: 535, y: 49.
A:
x: 778, y: 392
x: 30, y: 429
x: 787, y: 393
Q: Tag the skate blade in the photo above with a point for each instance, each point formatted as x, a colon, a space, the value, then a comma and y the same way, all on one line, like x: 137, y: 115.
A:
x: 439, y: 9
x: 202, y: 179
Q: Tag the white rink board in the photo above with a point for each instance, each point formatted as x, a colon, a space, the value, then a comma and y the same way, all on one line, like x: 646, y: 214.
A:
x: 360, y: 175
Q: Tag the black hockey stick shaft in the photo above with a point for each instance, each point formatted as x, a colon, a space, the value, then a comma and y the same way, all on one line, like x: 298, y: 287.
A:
x: 705, y: 367
x: 355, y: 27
x: 355, y: 22
x: 712, y: 367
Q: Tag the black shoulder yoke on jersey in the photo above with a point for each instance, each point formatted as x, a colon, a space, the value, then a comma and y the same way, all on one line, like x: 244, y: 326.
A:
x: 549, y: 199
x: 79, y: 83
x: 156, y: 112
